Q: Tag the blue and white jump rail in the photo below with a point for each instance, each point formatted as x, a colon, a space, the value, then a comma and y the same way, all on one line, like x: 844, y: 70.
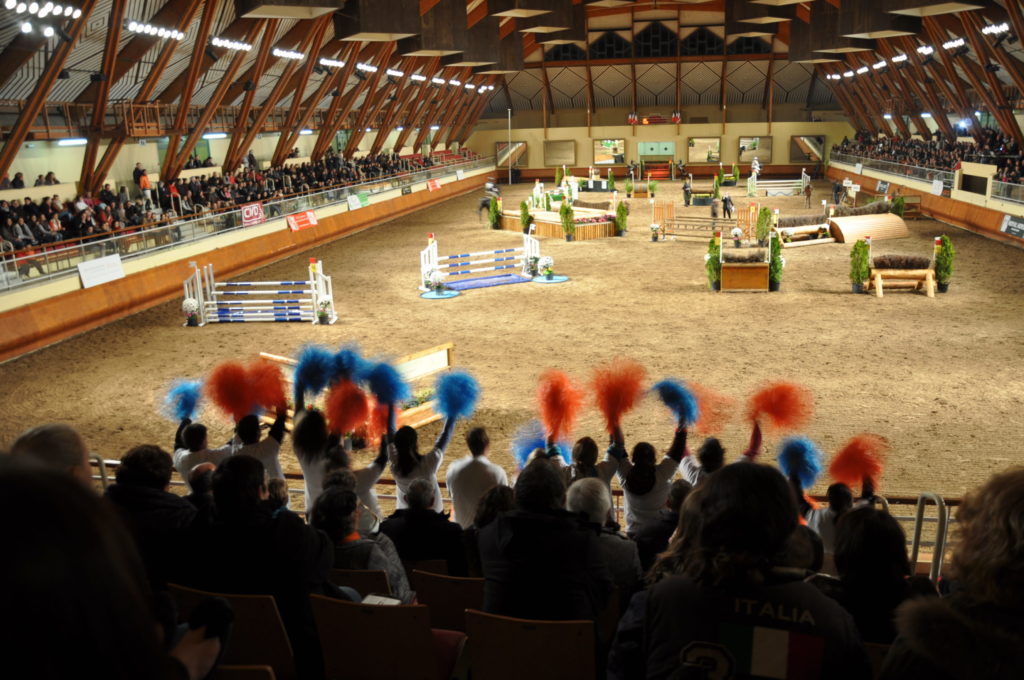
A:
x: 462, y: 270
x: 250, y: 301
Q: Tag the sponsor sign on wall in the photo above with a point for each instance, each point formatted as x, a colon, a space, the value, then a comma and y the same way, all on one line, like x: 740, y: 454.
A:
x: 302, y: 220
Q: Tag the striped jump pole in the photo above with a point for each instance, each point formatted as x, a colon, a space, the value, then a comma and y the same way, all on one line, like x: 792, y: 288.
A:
x: 464, y: 264
x: 257, y: 301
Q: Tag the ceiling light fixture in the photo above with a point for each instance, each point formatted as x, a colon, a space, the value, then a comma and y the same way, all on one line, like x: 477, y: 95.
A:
x: 288, y: 54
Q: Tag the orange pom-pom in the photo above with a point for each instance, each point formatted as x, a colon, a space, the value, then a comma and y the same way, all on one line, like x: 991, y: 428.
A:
x: 787, y: 406
x: 560, y: 401
x: 715, y: 409
x: 346, y: 407
x: 376, y: 422
x: 266, y: 385
x: 861, y: 457
x: 228, y: 387
x: 617, y: 386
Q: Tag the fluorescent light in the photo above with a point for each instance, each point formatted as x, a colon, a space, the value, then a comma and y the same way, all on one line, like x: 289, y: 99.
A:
x: 964, y: 123
x: 324, y: 61
x: 368, y: 130
x: 878, y: 65
x: 33, y: 7
x: 454, y: 82
x: 898, y: 58
x: 418, y: 78
x: 68, y: 10
x: 953, y: 44
x: 848, y: 74
x: 74, y: 141
x: 996, y: 29
x: 11, y: 4
x: 435, y: 127
x: 394, y: 73
x: 925, y: 49
x: 230, y: 44
x: 48, y: 31
x: 74, y: 15
x: 215, y: 135
x: 288, y: 54
x: 925, y: 114
x: 22, y: 8
x: 26, y: 27
x: 862, y: 70
x: 887, y: 116
x: 438, y: 81
x: 369, y: 68
x: 305, y: 132
x: 470, y: 86
x: 400, y: 128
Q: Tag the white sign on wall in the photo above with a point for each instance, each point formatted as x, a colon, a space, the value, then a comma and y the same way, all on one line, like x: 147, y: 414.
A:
x: 460, y: 175
x: 858, y: 168
x: 937, y: 187
x: 100, y: 270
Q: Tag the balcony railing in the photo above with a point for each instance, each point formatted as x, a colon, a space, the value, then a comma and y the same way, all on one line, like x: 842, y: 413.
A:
x: 898, y: 169
x: 45, y: 263
x: 1007, y: 191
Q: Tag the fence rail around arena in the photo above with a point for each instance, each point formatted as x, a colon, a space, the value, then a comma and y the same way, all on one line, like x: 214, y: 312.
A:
x: 251, y: 301
x: 459, y: 269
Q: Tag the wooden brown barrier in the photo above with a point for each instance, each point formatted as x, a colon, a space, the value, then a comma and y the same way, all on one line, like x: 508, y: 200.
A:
x: 42, y: 323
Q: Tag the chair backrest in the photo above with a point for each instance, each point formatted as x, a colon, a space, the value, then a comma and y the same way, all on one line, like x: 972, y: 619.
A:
x: 365, y: 581
x: 544, y: 650
x: 368, y: 642
x: 223, y: 672
x: 448, y: 597
x: 257, y: 635
x: 429, y: 566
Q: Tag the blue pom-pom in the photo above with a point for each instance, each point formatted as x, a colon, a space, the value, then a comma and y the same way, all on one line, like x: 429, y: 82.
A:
x: 800, y: 458
x: 386, y: 384
x: 457, y: 394
x: 529, y: 438
x: 679, y: 400
x: 313, y: 371
x: 182, y: 400
x: 349, y: 365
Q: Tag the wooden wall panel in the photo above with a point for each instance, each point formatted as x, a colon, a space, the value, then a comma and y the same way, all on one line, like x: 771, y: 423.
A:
x: 42, y: 323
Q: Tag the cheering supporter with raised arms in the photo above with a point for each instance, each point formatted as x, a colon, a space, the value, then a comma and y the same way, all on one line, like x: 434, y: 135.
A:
x: 652, y: 536
x: 264, y: 450
x: 469, y: 478
x: 585, y: 464
x: 191, y: 448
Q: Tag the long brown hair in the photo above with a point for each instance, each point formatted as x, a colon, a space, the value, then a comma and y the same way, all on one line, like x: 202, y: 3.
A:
x: 989, y: 558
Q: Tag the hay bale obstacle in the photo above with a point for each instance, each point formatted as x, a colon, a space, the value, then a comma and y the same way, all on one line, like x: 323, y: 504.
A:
x: 879, y: 227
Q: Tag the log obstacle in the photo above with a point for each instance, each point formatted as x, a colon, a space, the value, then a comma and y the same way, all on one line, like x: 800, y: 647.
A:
x: 249, y: 301
x: 414, y: 368
x: 463, y: 265
x: 914, y: 279
x: 879, y: 227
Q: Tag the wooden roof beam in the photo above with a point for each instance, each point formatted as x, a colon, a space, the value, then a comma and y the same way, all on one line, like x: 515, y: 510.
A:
x: 99, y: 107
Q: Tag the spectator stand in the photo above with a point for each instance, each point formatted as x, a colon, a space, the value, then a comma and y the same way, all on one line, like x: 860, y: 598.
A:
x: 414, y: 368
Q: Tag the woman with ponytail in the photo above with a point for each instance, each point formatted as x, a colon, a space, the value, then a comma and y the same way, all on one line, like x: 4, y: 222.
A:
x: 584, y: 463
x: 644, y: 480
x: 408, y: 465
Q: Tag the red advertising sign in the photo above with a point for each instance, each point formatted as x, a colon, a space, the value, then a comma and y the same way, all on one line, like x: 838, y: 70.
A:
x: 302, y: 220
x: 433, y: 184
x: 252, y: 213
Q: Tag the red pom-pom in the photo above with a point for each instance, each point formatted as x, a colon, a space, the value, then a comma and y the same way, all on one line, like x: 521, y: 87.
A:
x: 347, y: 408
x: 787, y: 406
x: 560, y: 401
x: 377, y: 423
x: 266, y: 385
x: 617, y: 386
x: 861, y: 457
x: 228, y: 387
x: 716, y: 409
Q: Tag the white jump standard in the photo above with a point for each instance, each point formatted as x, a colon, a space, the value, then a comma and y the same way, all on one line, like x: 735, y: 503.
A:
x: 245, y: 301
x: 503, y: 260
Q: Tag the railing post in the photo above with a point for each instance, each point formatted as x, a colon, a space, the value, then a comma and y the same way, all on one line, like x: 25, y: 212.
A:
x: 940, y: 533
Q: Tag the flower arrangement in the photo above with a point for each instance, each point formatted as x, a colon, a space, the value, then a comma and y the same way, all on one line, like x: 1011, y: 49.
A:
x: 532, y: 264
x: 435, y: 278
x: 323, y: 312
x: 593, y: 220
x: 737, y: 233
x: 655, y: 227
x: 546, y: 265
x: 418, y: 398
x: 190, y: 308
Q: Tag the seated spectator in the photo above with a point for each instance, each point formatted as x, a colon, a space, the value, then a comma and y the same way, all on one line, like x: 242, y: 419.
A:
x: 540, y: 561
x: 824, y: 520
x: 158, y: 520
x: 469, y: 478
x: 200, y: 480
x: 975, y: 633
x: 58, y: 447
x: 18, y: 182
x: 420, y: 533
x: 496, y: 501
x: 73, y: 545
x: 191, y: 447
x: 590, y: 498
x: 653, y: 535
x: 731, y: 613
x: 336, y: 513
x: 277, y: 495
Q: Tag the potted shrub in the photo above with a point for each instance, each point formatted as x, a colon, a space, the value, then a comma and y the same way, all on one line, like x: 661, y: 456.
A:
x: 944, y: 254
x: 568, y: 220
x: 611, y: 181
x: 655, y: 228
x: 652, y: 186
x: 775, y: 263
x: 899, y: 204
x: 735, y: 174
x: 558, y: 176
x: 547, y: 267
x: 190, y: 308
x: 860, y: 267
x: 547, y: 202
x: 712, y: 265
x: 494, y: 214
x: 621, y: 218
x: 764, y: 222
x: 721, y: 175
x: 628, y: 186
x: 525, y: 217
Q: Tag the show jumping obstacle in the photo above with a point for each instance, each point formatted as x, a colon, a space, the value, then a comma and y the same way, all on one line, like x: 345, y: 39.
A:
x: 463, y: 265
x: 245, y: 301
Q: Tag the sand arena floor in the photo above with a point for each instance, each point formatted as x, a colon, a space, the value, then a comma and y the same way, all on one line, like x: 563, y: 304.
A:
x: 941, y: 379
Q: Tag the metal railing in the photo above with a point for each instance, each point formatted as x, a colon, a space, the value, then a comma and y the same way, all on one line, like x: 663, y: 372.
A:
x: 898, y: 169
x: 1007, y: 191
x: 48, y: 262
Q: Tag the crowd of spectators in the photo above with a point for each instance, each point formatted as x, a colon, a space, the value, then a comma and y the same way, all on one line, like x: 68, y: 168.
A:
x: 717, y: 574
x: 940, y: 152
x: 26, y: 224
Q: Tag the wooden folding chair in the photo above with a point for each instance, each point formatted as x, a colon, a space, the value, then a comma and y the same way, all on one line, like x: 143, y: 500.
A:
x: 257, y: 635
x: 359, y: 640
x: 243, y: 673
x: 364, y: 581
x: 429, y: 566
x: 448, y: 597
x: 543, y: 650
